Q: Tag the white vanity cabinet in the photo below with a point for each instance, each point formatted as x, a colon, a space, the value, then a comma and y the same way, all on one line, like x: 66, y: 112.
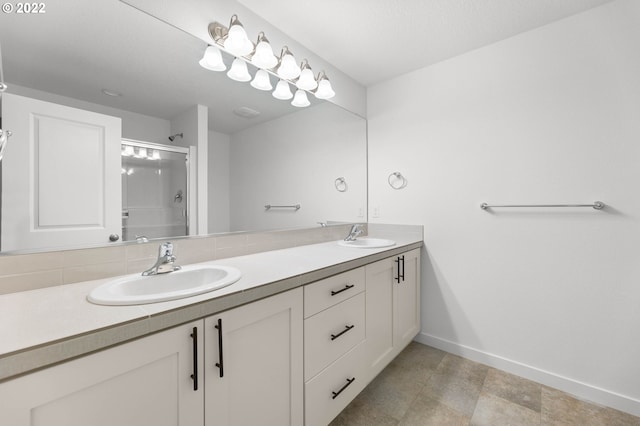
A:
x: 144, y: 382
x: 253, y: 363
x: 334, y: 333
x: 392, y: 307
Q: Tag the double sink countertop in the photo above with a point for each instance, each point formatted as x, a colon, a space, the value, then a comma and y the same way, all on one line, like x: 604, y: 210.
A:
x: 43, y: 327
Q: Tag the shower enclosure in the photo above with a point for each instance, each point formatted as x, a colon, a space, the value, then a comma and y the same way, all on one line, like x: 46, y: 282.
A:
x: 154, y: 190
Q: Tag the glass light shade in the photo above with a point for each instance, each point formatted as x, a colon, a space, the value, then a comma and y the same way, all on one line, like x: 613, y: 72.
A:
x: 325, y: 91
x: 307, y: 81
x: 142, y: 153
x: 237, y: 42
x: 128, y: 151
x: 288, y: 68
x: 239, y: 71
x: 212, y: 59
x: 155, y: 155
x: 261, y: 81
x: 264, y: 57
x: 300, y: 99
x: 282, y: 91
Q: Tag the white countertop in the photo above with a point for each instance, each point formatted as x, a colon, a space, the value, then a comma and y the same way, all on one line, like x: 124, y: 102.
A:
x: 49, y: 325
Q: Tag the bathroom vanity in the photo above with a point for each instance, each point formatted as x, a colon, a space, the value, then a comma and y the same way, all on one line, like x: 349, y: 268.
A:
x: 284, y: 345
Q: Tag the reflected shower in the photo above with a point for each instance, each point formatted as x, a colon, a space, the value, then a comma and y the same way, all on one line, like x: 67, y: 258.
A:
x: 172, y: 137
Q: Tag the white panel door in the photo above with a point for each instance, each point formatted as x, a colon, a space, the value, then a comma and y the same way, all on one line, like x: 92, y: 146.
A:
x: 61, y: 175
x: 258, y: 380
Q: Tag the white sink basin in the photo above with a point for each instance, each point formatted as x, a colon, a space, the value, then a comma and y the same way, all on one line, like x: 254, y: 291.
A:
x: 188, y: 281
x: 367, y: 243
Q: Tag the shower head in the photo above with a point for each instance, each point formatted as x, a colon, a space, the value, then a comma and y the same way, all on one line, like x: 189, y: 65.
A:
x: 172, y: 137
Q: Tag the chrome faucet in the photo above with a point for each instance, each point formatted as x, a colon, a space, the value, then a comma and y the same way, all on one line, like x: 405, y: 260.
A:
x: 164, y: 264
x: 355, y: 231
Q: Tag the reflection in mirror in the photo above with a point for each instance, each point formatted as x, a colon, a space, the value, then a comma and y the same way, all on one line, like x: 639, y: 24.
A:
x: 141, y: 79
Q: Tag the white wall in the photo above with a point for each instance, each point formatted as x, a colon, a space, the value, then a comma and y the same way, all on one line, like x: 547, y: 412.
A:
x: 549, y: 116
x: 295, y: 159
x: 219, y: 145
x: 134, y: 126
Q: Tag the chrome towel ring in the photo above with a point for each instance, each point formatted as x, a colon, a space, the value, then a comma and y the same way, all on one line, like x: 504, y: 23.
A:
x: 341, y: 184
x: 397, y: 181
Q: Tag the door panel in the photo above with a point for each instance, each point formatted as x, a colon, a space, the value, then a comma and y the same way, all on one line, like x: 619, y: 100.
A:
x: 60, y: 174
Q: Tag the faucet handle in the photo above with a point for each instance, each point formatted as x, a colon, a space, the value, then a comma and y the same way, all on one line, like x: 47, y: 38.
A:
x: 166, y: 249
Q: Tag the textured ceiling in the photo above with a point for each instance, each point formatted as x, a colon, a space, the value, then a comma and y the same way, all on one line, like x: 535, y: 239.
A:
x: 374, y: 40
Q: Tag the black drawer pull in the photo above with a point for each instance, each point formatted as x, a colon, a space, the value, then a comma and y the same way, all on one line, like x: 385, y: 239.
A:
x: 220, y: 364
x: 346, y: 287
x: 194, y: 376
x: 346, y: 328
x: 349, y: 381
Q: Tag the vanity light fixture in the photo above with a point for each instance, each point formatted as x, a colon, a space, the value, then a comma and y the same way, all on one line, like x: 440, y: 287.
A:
x: 307, y: 81
x: 324, y: 91
x: 212, y: 59
x: 234, y: 40
x: 263, y: 56
x: 283, y: 91
x: 288, y: 68
x: 239, y: 71
x: 237, y: 42
x: 262, y: 81
x: 300, y: 99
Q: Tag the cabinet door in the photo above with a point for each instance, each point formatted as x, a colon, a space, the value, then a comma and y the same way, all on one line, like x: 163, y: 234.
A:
x: 145, y: 382
x: 406, y: 298
x: 379, y: 315
x: 60, y: 174
x: 253, y: 365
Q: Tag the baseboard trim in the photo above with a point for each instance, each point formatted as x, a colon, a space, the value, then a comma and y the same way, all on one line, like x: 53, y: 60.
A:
x: 565, y: 384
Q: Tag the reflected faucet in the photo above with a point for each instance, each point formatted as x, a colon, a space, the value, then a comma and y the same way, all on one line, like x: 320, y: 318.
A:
x: 164, y: 264
x: 355, y: 231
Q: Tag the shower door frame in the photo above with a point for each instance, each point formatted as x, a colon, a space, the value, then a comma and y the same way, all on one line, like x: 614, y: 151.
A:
x: 174, y: 149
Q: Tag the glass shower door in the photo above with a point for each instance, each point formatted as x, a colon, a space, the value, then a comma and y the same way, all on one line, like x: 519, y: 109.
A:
x: 154, y: 191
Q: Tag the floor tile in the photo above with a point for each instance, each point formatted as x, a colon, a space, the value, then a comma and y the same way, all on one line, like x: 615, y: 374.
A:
x: 457, y: 383
x: 425, y: 386
x: 562, y: 409
x: 428, y: 412
x: 492, y: 410
x: 393, y: 390
x: 513, y: 388
x: 359, y: 413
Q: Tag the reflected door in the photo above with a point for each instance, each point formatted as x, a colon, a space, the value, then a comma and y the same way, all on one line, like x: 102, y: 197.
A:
x: 154, y: 191
x: 60, y: 184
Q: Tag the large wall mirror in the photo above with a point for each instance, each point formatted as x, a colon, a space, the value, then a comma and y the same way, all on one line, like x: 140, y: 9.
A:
x: 104, y: 96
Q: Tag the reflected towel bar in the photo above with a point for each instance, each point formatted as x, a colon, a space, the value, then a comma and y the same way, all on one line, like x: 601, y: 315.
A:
x: 270, y: 206
x: 598, y: 205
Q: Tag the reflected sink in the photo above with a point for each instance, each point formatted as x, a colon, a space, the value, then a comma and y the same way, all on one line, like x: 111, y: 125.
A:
x: 367, y: 243
x: 188, y: 281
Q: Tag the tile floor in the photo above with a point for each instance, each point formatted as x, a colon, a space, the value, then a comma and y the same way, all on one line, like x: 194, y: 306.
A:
x: 425, y: 386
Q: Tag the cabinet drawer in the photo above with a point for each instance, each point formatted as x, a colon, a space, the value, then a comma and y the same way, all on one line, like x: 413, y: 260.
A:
x: 330, y: 391
x: 331, y: 333
x: 325, y: 293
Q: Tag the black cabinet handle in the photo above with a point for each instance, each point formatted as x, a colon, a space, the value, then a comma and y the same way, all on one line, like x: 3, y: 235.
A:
x: 400, y: 262
x: 220, y: 364
x: 346, y: 287
x: 194, y: 376
x: 346, y: 328
x: 349, y: 381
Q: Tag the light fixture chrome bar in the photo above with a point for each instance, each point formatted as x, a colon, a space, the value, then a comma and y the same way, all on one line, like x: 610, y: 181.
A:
x: 270, y: 206
x: 598, y: 205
